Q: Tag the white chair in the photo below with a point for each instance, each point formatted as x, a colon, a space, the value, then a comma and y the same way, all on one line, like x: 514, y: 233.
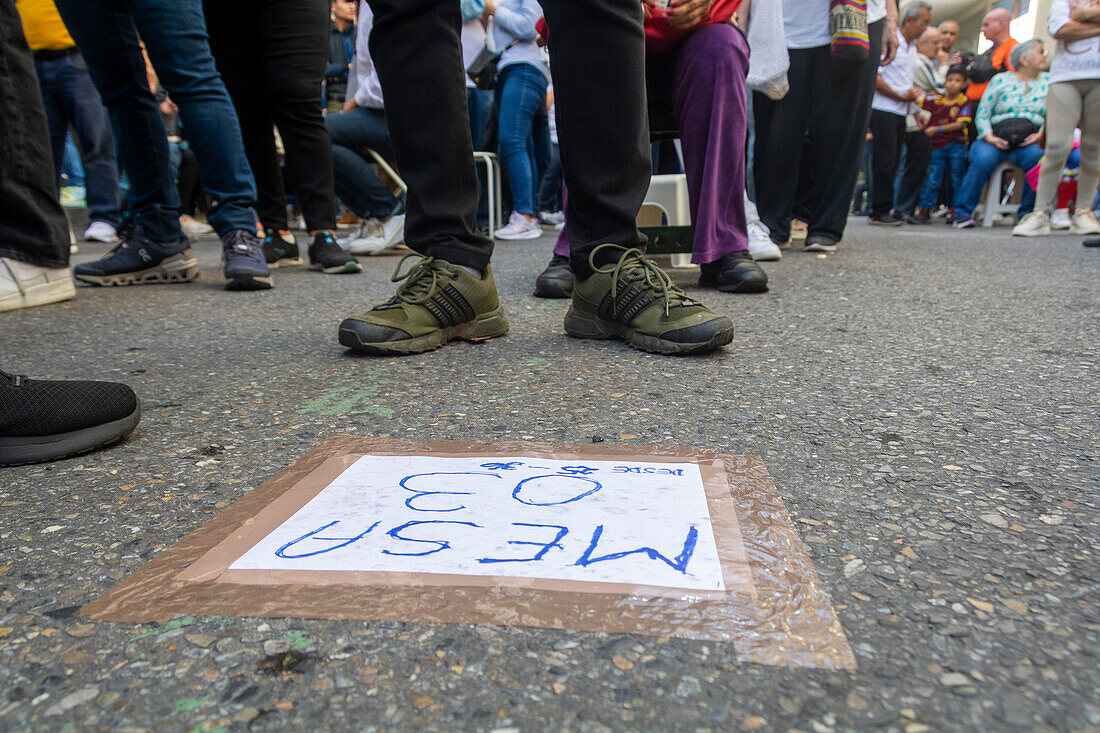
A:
x: 994, y: 204
x: 493, y: 188
x: 668, y: 192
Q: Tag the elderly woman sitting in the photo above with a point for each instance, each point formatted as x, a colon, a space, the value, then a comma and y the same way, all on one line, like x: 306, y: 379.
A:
x: 1009, y: 122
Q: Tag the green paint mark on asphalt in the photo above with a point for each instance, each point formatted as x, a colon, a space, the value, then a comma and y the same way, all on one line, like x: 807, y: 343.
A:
x: 223, y: 620
x: 297, y: 640
x: 188, y: 704
x: 69, y: 726
x: 537, y: 361
x: 342, y: 400
x: 176, y: 623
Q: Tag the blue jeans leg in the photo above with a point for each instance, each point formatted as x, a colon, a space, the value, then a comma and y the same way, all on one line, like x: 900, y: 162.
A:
x: 1027, y: 158
x: 983, y: 159
x: 72, y: 168
x: 932, y: 182
x: 956, y: 161
x: 521, y: 89
x: 356, y: 183
x: 91, y: 124
x: 174, y: 33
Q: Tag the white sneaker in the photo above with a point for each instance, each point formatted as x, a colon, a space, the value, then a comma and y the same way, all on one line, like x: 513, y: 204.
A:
x: 1084, y: 222
x: 519, y: 227
x: 192, y: 227
x: 1035, y: 224
x: 761, y: 246
x: 383, y: 235
x: 100, y: 231
x: 368, y: 227
x: 23, y: 285
x: 1060, y: 219
x: 551, y: 218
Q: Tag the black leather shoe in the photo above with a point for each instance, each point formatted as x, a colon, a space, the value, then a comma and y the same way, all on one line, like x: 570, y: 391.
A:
x: 737, y: 272
x: 556, y: 281
x: 1092, y: 242
x: 886, y: 220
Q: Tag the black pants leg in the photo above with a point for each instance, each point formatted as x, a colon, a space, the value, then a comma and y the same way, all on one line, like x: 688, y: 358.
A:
x: 272, y: 55
x: 780, y: 132
x: 33, y: 228
x: 888, y: 130
x: 918, y: 154
x: 597, y: 55
x: 839, y: 135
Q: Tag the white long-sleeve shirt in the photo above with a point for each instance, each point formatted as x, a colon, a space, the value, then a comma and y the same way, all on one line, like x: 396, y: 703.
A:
x: 368, y: 90
x: 515, y: 19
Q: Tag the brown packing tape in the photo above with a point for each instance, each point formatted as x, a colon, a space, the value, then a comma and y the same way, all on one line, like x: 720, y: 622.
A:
x: 774, y: 609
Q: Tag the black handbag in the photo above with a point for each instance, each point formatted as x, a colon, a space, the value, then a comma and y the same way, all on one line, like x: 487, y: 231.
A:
x: 981, y: 69
x: 1014, y: 131
x: 483, y: 69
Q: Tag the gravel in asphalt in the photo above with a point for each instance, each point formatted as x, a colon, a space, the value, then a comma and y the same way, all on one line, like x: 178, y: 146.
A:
x: 924, y: 399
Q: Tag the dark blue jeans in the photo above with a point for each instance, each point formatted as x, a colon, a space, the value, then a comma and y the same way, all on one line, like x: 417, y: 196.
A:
x: 952, y: 157
x: 521, y: 90
x: 70, y: 99
x: 357, y: 185
x: 984, y: 158
x: 174, y: 31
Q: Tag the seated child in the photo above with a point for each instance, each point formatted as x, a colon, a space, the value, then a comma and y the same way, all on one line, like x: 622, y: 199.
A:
x: 946, y: 128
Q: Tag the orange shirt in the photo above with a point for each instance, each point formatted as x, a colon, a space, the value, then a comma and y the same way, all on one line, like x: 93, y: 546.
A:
x: 1000, y: 61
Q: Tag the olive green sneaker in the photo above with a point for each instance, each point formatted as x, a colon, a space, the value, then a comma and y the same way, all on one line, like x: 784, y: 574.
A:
x: 635, y: 300
x: 437, y: 303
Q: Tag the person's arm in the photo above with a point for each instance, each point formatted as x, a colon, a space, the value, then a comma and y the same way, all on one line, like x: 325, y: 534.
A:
x: 518, y: 20
x: 890, y: 33
x: 689, y: 14
x: 744, y: 14
x: 983, y: 120
x: 1090, y: 14
x: 885, y: 90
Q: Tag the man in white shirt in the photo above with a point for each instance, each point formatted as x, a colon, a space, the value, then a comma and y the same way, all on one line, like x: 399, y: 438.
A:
x: 894, y: 95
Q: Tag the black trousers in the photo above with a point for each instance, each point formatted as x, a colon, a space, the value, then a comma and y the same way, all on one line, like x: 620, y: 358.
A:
x: 830, y: 102
x: 33, y: 228
x: 888, y: 131
x: 272, y: 55
x: 597, y: 59
x: 914, y: 169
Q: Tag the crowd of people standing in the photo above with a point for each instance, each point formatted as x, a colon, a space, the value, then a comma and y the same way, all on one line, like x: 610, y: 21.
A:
x: 379, y: 110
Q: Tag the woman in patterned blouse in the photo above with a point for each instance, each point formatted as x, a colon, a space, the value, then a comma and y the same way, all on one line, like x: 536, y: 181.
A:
x: 1009, y: 122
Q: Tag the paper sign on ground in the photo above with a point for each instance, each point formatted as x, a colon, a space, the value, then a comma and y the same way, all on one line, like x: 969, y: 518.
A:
x: 636, y: 523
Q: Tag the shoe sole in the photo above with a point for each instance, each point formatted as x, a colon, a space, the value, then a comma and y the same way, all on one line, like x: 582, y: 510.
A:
x: 1087, y: 232
x: 553, y: 292
x: 524, y: 235
x: 874, y: 223
x: 828, y: 248
x: 51, y: 292
x: 486, y: 326
x: 175, y: 269
x: 345, y: 268
x: 16, y: 451
x: 285, y: 262
x: 767, y: 256
x: 579, y: 324
x: 1047, y: 233
x: 247, y: 281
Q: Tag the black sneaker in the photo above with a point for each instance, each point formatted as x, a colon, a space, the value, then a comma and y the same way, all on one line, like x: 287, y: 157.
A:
x: 139, y: 261
x: 278, y: 252
x: 819, y: 243
x: 42, y: 420
x: 736, y: 272
x: 885, y: 220
x: 1092, y: 242
x: 556, y: 281
x: 325, y: 255
x: 243, y: 262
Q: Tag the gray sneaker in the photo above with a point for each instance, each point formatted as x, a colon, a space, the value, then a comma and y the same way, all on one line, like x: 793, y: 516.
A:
x: 243, y: 262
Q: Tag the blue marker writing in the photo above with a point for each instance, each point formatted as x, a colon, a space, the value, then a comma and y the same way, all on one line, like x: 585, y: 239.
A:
x: 442, y: 544
x: 421, y: 494
x: 596, y: 486
x: 344, y: 541
x: 679, y: 564
x: 556, y: 542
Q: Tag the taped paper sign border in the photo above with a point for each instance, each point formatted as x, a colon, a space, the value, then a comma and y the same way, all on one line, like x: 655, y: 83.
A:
x: 751, y: 580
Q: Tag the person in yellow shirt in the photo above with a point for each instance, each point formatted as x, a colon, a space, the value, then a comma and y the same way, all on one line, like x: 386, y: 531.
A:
x: 71, y: 101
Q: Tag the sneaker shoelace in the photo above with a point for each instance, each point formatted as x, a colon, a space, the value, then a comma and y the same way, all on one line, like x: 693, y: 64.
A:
x: 419, y: 282
x: 634, y: 268
x: 238, y: 243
